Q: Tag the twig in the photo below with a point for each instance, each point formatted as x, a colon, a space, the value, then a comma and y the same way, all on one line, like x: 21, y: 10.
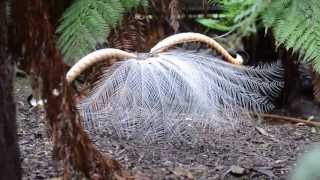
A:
x: 291, y: 119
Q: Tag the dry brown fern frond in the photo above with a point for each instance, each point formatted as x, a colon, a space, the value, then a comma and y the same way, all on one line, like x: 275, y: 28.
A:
x: 130, y: 35
x: 167, y: 12
x: 174, y: 8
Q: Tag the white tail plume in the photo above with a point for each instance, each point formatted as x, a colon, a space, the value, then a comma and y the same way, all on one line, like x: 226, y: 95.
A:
x: 177, y: 94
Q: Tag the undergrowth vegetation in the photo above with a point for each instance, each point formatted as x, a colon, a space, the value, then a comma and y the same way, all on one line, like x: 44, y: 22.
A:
x: 294, y: 23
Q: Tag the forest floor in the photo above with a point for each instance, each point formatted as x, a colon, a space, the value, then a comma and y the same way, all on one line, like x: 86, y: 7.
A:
x: 261, y: 151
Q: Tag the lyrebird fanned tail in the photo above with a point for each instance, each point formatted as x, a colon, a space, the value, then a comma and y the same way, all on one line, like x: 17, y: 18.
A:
x: 176, y: 94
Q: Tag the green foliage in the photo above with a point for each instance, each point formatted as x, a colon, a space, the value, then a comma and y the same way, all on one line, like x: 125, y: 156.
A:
x: 247, y: 20
x: 128, y: 4
x: 214, y: 24
x: 296, y: 25
x: 88, y: 22
x: 235, y: 13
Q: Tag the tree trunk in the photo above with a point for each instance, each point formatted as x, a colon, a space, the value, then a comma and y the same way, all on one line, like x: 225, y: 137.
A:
x: 9, y: 151
x: 34, y: 35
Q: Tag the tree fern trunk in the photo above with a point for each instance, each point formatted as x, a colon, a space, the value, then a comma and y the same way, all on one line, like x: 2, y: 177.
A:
x: 9, y: 151
x: 316, y: 86
x: 35, y: 33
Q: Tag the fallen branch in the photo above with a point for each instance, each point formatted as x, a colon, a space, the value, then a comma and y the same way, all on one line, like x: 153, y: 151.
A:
x: 291, y: 119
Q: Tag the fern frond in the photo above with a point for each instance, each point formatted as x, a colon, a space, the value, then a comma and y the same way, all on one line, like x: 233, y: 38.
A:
x: 296, y: 25
x: 240, y: 17
x: 129, y: 36
x: 88, y: 22
x: 238, y: 12
x: 128, y: 4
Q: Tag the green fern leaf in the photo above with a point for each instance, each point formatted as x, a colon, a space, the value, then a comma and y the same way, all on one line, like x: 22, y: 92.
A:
x: 296, y: 25
x: 88, y: 22
x: 128, y: 4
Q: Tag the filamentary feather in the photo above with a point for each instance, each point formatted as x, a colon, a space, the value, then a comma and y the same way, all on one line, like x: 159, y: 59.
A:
x: 176, y: 94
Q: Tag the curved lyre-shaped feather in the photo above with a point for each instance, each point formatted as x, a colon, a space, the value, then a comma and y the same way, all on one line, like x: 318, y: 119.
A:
x: 94, y: 57
x: 193, y: 37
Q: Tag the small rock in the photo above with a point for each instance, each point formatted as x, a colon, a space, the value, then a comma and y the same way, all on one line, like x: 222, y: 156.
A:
x: 237, y: 170
x: 179, y: 171
x: 313, y: 130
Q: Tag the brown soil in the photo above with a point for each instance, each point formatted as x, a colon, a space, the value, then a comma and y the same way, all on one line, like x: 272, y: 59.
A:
x: 260, y: 151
